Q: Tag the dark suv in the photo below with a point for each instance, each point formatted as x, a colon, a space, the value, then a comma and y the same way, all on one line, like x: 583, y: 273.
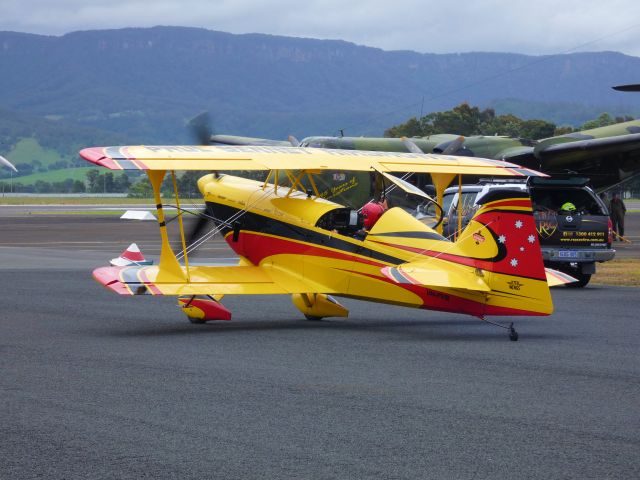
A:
x: 572, y: 240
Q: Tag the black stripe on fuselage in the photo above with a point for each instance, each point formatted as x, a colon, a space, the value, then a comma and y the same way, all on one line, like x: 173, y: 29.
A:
x: 254, y: 222
x: 416, y: 235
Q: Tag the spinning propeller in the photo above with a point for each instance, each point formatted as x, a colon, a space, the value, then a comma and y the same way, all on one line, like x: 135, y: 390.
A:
x: 200, y: 128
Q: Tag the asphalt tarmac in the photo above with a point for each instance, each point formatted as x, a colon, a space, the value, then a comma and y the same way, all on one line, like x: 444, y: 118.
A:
x: 94, y: 385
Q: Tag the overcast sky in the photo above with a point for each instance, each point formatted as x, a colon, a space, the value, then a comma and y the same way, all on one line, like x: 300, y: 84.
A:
x: 523, y: 26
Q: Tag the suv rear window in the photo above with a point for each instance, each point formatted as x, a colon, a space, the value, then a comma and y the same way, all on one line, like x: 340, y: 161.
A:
x: 552, y: 199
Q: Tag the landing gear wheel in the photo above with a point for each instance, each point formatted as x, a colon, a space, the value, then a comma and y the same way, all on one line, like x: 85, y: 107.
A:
x: 513, y: 335
x: 197, y: 321
x: 313, y: 318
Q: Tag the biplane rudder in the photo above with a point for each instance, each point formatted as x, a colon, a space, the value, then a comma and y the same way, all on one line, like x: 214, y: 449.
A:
x: 502, y: 242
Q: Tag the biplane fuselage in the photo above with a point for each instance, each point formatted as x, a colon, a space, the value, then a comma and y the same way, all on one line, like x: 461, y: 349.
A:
x: 280, y: 230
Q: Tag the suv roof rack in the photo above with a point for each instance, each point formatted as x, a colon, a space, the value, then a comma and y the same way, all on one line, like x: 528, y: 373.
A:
x: 490, y: 181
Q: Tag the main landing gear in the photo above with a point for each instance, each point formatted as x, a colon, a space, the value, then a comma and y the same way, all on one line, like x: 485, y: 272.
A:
x: 513, y: 335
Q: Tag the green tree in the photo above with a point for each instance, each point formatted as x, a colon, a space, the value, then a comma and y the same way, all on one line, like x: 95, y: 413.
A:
x: 141, y: 189
x: 563, y: 130
x: 108, y: 182
x: 467, y: 120
x: 121, y: 183
x: 412, y: 128
x: 461, y: 120
x: 537, y: 129
x: 43, y: 187
x: 93, y: 179
x: 188, y: 183
x: 602, y: 121
x: 78, y: 187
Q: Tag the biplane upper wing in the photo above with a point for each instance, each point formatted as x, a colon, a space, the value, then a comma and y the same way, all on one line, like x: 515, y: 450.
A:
x: 221, y: 158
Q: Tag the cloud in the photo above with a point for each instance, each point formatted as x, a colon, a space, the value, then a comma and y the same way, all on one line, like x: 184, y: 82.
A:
x: 542, y: 27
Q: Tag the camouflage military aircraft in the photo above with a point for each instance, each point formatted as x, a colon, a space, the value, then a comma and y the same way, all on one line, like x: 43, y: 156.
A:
x: 608, y: 155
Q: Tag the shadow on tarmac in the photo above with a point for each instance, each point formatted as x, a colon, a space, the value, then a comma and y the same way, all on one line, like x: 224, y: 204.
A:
x: 419, y: 330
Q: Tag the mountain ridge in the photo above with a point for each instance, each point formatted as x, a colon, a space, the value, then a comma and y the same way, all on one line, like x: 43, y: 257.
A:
x: 147, y: 82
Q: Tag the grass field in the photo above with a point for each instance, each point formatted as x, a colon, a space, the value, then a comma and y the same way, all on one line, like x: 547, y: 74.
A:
x: 28, y: 149
x: 621, y: 271
x: 78, y: 173
x: 62, y: 200
x: 74, y: 201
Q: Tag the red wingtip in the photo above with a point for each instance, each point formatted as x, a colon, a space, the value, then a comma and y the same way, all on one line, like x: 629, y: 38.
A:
x: 93, y: 154
x: 110, y: 278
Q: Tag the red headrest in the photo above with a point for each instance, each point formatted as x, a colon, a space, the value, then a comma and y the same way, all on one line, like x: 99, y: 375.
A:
x: 371, y: 212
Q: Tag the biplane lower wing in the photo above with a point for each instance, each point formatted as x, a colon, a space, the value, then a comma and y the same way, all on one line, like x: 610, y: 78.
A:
x: 206, y: 280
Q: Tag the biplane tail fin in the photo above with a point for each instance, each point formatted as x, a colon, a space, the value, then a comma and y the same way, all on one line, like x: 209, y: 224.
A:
x: 501, y: 241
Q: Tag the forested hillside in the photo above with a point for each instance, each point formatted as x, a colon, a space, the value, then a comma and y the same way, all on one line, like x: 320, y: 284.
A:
x: 143, y: 85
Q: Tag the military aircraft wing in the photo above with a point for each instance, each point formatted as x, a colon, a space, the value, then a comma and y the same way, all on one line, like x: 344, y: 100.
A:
x: 579, y: 150
x: 220, y: 158
x: 238, y: 140
x: 607, y: 155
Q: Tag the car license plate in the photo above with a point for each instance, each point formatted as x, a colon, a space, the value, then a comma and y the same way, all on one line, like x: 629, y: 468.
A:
x: 568, y: 254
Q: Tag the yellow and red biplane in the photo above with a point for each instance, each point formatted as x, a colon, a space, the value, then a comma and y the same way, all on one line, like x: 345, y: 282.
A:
x: 291, y: 241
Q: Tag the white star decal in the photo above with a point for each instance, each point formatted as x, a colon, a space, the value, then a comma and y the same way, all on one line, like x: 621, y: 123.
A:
x: 519, y: 224
x: 502, y: 239
x: 522, y: 249
x: 514, y: 262
x: 531, y: 238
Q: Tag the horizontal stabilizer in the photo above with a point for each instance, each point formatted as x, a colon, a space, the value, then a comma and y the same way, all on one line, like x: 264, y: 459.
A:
x: 429, y: 275
x: 556, y: 277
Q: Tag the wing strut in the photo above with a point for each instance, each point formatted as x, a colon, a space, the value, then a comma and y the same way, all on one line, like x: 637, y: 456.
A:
x: 169, y: 269
x: 180, y: 212
x: 441, y: 181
